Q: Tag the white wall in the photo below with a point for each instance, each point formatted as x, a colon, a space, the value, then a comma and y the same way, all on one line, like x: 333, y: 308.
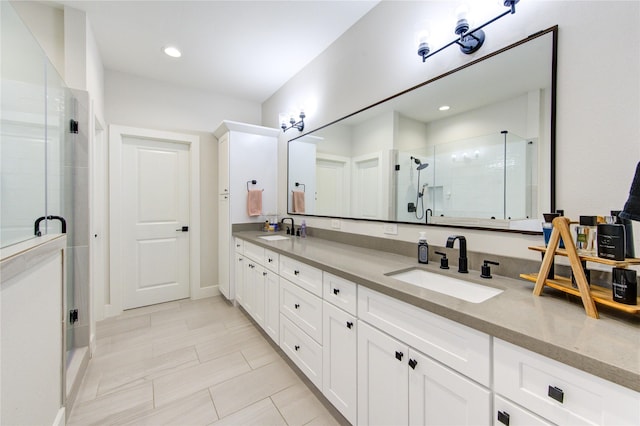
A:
x: 598, y: 97
x: 47, y: 26
x: 134, y: 101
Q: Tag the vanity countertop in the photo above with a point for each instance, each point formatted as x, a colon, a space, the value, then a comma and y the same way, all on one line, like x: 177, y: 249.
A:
x: 608, y: 347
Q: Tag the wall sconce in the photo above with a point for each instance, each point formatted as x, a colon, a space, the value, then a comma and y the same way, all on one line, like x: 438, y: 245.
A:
x: 469, y: 40
x: 293, y: 124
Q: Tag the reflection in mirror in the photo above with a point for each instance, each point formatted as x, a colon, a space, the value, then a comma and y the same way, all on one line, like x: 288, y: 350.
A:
x: 485, y: 161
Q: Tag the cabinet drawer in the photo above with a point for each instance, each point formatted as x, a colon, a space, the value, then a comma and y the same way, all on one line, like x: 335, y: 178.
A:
x: 507, y: 413
x: 239, y: 245
x: 254, y: 252
x: 271, y: 260
x: 528, y: 379
x: 305, y: 276
x: 459, y: 347
x: 302, y: 350
x: 303, y: 308
x: 340, y: 292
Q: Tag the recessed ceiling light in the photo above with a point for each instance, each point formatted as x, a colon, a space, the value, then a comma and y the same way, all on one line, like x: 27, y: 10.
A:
x: 444, y: 108
x: 172, y: 51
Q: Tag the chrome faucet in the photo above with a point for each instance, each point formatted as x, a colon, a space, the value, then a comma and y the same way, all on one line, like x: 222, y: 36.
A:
x: 289, y: 231
x: 462, y: 260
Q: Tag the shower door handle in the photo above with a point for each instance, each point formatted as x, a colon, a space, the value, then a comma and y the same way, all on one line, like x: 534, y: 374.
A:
x: 183, y: 229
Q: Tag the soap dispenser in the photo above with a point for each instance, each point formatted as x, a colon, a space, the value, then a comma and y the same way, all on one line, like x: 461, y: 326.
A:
x: 423, y: 248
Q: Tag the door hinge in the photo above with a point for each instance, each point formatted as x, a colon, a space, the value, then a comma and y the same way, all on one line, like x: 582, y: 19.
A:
x: 73, y: 316
x: 73, y: 126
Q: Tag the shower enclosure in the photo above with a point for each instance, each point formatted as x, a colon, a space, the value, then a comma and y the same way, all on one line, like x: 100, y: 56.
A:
x: 490, y: 176
x: 44, y: 169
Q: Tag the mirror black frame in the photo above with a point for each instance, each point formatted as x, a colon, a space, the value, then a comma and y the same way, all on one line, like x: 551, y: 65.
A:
x: 552, y: 137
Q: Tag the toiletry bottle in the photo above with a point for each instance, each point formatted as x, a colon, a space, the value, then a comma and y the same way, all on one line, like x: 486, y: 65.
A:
x: 586, y: 235
x: 423, y: 248
x: 303, y: 229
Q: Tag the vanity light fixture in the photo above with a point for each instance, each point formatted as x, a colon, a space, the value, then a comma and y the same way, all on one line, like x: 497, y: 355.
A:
x: 293, y: 124
x: 469, y: 40
x: 172, y: 51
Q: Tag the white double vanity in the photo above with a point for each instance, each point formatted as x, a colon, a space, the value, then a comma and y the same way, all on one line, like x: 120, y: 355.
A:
x: 384, y: 352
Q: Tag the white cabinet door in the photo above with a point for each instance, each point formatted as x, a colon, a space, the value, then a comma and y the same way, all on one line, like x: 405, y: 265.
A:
x: 339, y: 365
x: 250, y: 283
x: 383, y: 388
x: 440, y: 396
x: 272, y: 305
x: 224, y: 244
x: 223, y: 164
x: 239, y: 278
x: 259, y: 288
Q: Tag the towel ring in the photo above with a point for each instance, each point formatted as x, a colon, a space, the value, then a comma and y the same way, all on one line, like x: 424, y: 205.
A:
x: 304, y: 188
x: 252, y: 182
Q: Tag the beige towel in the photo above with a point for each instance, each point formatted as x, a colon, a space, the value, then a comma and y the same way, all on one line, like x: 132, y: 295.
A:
x: 254, y: 202
x: 297, y: 199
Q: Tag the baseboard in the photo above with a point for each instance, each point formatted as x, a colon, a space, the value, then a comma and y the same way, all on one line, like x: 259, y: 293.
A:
x: 209, y: 291
x: 92, y: 345
x: 111, y: 311
x: 60, y: 419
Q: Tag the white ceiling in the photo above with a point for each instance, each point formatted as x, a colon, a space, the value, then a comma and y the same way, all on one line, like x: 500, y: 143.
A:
x: 243, y: 49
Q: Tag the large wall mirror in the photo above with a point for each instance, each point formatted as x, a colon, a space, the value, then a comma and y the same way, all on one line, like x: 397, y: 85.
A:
x: 473, y: 148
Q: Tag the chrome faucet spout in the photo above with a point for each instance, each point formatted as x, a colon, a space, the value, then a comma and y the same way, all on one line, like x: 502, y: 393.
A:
x: 462, y: 259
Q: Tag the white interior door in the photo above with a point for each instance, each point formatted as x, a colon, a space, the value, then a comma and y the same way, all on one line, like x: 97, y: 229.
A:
x: 367, y: 186
x: 332, y: 185
x: 155, y: 249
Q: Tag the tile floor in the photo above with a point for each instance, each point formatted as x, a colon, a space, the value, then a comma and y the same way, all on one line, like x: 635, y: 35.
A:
x: 188, y: 362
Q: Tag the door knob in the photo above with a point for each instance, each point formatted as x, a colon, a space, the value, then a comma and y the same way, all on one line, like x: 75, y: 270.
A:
x: 183, y: 229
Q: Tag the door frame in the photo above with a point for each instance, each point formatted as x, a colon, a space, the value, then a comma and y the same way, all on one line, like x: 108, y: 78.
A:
x: 116, y: 134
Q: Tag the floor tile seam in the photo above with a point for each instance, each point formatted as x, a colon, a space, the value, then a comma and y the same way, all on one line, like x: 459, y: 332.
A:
x: 278, y: 409
x: 98, y: 357
x: 204, y: 386
x: 150, y: 376
x: 102, y: 397
x: 254, y: 402
x: 220, y: 355
x: 123, y: 320
x: 234, y: 377
x: 214, y: 403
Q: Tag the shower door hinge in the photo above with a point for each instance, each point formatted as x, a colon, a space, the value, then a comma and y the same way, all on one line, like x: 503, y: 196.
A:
x: 397, y: 167
x: 73, y: 316
x: 73, y: 126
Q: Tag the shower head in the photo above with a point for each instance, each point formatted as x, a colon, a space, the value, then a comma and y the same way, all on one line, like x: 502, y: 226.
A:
x: 421, y: 166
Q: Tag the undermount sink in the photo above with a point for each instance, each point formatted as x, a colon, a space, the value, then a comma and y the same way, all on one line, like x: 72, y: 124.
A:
x: 454, y: 287
x: 274, y: 237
